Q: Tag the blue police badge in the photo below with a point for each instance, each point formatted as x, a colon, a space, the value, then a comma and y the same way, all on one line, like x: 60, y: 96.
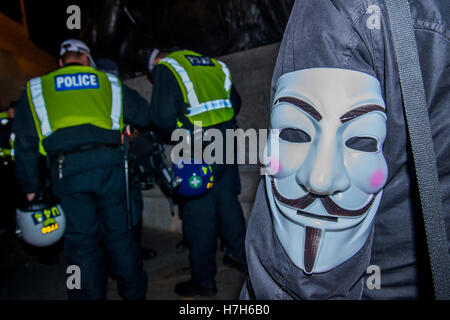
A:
x: 200, y: 61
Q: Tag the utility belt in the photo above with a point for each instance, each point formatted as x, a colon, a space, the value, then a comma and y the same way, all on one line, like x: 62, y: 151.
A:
x: 58, y: 158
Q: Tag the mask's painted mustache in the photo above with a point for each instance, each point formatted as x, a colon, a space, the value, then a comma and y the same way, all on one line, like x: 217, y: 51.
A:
x: 330, y: 206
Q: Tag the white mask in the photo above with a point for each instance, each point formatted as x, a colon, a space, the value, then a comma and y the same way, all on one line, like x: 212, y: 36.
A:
x: 328, y: 185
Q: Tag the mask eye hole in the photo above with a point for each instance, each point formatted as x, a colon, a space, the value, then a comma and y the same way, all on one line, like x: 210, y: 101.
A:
x: 365, y: 144
x: 294, y: 135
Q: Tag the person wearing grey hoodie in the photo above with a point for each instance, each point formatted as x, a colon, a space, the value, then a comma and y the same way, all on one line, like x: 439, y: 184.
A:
x: 336, y: 67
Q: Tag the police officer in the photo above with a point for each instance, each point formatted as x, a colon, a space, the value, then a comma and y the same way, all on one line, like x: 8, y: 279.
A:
x: 9, y: 193
x: 184, y: 82
x: 74, y: 116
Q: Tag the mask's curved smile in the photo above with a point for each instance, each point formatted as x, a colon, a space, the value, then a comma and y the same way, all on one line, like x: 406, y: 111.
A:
x: 330, y: 206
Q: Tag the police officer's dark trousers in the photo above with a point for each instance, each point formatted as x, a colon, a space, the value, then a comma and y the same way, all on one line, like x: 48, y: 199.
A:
x: 93, y: 199
x: 218, y: 212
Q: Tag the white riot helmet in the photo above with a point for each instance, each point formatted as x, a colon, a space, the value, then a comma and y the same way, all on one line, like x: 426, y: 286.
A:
x: 151, y: 57
x: 74, y: 45
x: 325, y: 184
x: 42, y: 222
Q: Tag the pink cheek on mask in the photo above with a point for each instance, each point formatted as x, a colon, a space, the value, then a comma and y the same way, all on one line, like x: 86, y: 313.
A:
x: 377, y: 179
x: 274, y: 166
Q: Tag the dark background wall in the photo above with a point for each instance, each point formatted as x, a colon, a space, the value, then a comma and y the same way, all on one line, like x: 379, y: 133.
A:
x: 123, y: 29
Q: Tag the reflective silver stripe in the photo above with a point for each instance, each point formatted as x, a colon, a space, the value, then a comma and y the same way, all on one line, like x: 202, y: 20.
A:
x: 226, y: 71
x: 191, y: 95
x: 116, y: 107
x: 39, y: 106
x: 209, y: 105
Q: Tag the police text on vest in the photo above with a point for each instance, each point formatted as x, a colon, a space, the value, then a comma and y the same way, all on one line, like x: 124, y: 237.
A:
x: 76, y: 81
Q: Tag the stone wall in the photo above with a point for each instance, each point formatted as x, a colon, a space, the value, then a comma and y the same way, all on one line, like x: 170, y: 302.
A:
x: 251, y: 73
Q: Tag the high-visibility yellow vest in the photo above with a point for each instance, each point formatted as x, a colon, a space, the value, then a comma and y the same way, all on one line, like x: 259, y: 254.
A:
x: 206, y: 86
x: 75, y: 95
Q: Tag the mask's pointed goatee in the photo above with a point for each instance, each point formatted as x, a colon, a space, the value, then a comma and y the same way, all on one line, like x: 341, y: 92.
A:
x: 312, y: 242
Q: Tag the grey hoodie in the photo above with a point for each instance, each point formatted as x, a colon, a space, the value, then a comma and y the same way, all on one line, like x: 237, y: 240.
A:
x: 355, y: 34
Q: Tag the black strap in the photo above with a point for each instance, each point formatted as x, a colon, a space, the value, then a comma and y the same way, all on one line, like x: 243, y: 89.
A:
x: 419, y: 129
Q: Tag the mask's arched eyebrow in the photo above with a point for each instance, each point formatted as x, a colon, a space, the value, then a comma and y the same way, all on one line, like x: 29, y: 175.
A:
x: 302, y: 105
x: 358, y: 112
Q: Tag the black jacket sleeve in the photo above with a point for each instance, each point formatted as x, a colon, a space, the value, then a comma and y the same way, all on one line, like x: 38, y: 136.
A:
x: 167, y: 101
x: 136, y: 110
x: 26, y: 147
x: 235, y: 100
